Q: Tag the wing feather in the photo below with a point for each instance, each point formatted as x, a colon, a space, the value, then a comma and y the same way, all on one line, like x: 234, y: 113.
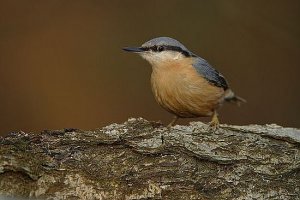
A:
x: 209, y: 73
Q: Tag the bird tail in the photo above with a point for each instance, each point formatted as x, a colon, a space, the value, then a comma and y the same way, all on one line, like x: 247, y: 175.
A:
x: 232, y: 98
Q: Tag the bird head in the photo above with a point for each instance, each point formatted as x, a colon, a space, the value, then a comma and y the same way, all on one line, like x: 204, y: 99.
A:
x: 161, y: 49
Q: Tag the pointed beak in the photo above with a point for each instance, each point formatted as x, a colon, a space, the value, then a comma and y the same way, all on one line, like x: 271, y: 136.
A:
x: 133, y: 49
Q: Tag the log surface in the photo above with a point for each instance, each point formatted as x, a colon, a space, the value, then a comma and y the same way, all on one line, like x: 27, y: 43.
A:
x: 131, y: 161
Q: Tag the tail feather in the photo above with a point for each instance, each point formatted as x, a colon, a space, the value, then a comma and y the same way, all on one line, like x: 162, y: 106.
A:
x: 232, y: 98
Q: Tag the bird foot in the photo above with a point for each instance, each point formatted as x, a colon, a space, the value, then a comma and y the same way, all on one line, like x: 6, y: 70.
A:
x: 172, y: 122
x: 214, y: 124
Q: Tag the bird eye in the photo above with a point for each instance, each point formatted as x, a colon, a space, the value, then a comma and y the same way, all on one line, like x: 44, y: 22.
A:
x: 160, y: 48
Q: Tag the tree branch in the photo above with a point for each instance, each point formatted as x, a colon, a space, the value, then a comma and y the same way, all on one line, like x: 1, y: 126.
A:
x: 129, y: 161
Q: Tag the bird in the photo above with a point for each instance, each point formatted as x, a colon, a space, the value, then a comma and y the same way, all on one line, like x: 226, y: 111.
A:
x: 183, y: 83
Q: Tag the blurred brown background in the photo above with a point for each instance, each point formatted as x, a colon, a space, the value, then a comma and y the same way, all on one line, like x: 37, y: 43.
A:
x: 61, y: 63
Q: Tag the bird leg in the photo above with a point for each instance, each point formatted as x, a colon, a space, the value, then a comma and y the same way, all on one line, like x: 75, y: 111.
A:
x: 172, y: 122
x: 214, y: 123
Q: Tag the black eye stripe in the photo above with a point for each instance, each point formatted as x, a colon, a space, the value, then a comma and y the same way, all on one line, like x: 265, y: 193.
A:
x: 160, y: 48
x: 167, y: 47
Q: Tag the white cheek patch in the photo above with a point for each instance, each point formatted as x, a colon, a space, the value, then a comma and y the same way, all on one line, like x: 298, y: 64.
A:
x: 178, y: 56
x: 156, y: 57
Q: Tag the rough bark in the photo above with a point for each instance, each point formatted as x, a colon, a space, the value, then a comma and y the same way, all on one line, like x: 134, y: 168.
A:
x: 129, y: 161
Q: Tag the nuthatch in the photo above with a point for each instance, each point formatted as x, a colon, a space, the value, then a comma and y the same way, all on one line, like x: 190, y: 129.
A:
x: 183, y: 83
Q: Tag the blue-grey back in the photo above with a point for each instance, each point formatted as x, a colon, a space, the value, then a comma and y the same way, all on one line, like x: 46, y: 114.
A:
x: 208, y: 72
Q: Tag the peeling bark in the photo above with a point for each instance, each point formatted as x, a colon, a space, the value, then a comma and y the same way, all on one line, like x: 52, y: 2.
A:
x: 129, y: 161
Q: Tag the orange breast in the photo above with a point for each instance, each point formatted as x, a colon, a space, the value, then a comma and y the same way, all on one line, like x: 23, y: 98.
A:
x: 179, y: 89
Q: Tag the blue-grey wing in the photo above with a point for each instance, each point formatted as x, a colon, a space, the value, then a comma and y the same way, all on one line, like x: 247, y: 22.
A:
x: 209, y: 73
